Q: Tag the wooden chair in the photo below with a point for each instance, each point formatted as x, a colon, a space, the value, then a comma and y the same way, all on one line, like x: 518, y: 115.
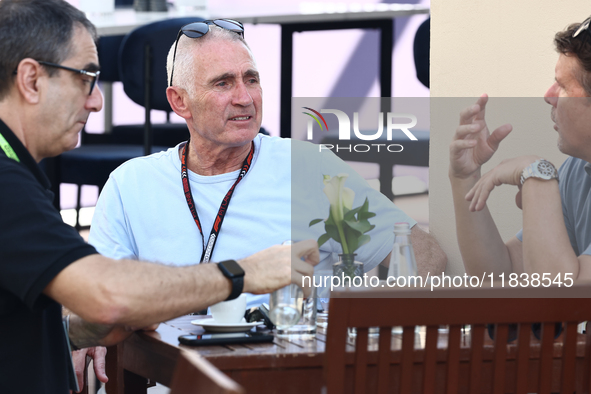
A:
x: 472, y: 363
x: 195, y: 375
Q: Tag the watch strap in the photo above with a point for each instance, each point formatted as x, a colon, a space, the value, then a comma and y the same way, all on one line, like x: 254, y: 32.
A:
x: 541, y: 169
x: 237, y: 280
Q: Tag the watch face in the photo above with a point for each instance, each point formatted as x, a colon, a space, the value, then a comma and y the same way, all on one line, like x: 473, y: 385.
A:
x: 232, y: 267
x: 546, y: 169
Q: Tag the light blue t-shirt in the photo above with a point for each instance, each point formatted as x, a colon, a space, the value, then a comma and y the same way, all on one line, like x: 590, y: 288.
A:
x: 574, y: 181
x: 142, y: 212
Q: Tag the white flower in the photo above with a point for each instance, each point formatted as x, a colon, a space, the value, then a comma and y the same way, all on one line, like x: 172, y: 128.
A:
x: 338, y: 195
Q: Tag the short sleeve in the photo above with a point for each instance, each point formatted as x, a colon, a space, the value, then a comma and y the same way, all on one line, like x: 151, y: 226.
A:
x: 36, y: 243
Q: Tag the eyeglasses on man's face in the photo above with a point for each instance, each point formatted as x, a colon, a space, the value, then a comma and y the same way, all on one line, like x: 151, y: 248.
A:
x: 92, y: 74
x: 199, y: 29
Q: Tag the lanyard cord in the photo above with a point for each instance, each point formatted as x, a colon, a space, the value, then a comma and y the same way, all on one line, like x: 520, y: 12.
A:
x: 217, y: 224
x: 8, y: 149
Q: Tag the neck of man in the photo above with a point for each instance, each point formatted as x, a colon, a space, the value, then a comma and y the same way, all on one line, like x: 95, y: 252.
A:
x: 13, y: 118
x: 207, y: 161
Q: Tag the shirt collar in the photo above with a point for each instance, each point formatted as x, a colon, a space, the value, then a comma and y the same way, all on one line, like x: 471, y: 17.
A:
x: 23, y: 154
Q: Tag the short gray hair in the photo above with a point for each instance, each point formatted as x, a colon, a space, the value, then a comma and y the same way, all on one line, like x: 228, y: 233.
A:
x: 184, y: 64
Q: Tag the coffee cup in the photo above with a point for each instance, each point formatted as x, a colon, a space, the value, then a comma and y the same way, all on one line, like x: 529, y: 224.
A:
x: 229, y: 312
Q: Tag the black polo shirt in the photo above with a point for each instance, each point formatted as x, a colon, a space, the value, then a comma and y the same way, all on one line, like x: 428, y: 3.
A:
x: 35, y: 245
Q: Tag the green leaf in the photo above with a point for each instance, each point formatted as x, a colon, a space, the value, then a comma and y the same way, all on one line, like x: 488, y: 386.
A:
x: 322, y: 239
x: 330, y: 220
x: 365, y: 206
x: 351, y: 214
x: 365, y: 215
x: 363, y: 240
x: 333, y: 232
x: 362, y: 226
x: 352, y: 237
x: 313, y: 222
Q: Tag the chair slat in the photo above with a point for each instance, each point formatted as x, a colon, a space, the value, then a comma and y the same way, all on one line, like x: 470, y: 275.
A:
x: 430, y: 361
x: 336, y: 340
x: 546, y: 354
x: 477, y: 332
x: 569, y: 353
x: 469, y: 362
x: 587, y: 363
x: 453, y: 358
x: 408, y: 339
x: 384, y: 359
x: 499, y: 358
x: 523, y: 350
x: 361, y: 360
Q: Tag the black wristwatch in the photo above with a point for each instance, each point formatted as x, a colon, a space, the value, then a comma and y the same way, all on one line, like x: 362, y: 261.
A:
x: 235, y: 273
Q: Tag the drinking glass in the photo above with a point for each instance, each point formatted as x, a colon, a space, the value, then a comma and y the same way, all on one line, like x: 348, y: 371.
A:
x: 285, y: 306
x: 322, y: 283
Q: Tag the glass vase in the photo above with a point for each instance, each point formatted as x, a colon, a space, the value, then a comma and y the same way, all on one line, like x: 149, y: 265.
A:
x: 347, y: 266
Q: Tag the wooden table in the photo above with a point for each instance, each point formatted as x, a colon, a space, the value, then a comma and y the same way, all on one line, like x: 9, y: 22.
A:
x: 283, y: 366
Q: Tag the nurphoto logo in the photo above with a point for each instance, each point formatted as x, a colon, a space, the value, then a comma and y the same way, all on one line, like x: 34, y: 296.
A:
x: 344, y: 130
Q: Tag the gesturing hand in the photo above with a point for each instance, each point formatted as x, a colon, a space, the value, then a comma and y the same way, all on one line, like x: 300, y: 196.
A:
x: 473, y: 145
x: 508, y: 172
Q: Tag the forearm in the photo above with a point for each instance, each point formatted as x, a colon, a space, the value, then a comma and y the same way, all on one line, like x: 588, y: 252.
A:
x: 546, y: 246
x: 125, y: 292
x: 137, y: 294
x: 479, y: 240
x: 428, y: 254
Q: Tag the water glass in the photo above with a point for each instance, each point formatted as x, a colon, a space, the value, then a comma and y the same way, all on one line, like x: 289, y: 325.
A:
x: 322, y: 283
x: 285, y: 306
x: 305, y: 327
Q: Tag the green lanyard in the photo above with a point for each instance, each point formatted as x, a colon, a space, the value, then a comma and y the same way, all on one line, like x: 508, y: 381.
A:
x: 8, y: 149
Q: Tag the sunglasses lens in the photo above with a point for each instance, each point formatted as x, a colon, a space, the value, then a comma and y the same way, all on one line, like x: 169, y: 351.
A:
x: 584, y: 26
x: 227, y: 24
x: 195, y: 30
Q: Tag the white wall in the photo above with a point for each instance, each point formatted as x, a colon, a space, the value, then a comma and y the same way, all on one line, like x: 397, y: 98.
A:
x: 503, y: 48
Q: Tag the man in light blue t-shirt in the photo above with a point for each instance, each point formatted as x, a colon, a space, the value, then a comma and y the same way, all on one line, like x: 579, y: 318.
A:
x: 231, y: 191
x: 555, y: 242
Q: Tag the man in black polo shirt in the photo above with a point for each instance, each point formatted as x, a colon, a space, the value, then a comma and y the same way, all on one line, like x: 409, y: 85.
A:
x: 48, y: 73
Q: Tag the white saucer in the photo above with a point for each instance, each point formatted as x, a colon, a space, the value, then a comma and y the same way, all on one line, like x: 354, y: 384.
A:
x: 211, y: 325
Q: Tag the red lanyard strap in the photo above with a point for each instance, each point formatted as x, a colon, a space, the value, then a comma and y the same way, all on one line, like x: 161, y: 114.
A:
x: 217, y: 224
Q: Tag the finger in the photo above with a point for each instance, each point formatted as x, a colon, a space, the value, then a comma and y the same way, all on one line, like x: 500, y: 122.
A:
x: 79, y: 361
x: 298, y: 279
x: 467, y: 114
x: 307, y: 249
x: 466, y: 130
x: 518, y: 199
x: 456, y: 147
x: 481, y: 103
x: 153, y: 327
x: 98, y: 358
x: 498, y: 135
x: 302, y: 267
x: 483, y: 193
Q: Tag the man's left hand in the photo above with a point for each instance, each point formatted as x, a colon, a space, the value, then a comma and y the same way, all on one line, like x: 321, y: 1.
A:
x: 508, y: 172
x: 98, y: 356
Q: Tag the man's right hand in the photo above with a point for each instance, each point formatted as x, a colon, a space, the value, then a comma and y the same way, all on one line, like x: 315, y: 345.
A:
x: 473, y: 145
x: 278, y: 266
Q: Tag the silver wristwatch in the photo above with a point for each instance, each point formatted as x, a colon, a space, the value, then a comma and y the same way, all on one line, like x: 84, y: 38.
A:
x: 541, y: 169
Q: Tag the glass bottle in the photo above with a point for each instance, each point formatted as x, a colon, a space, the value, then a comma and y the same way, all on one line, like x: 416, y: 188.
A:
x: 402, y: 260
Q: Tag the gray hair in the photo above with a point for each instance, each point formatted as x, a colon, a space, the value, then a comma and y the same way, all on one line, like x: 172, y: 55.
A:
x: 184, y: 64
x: 37, y: 29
